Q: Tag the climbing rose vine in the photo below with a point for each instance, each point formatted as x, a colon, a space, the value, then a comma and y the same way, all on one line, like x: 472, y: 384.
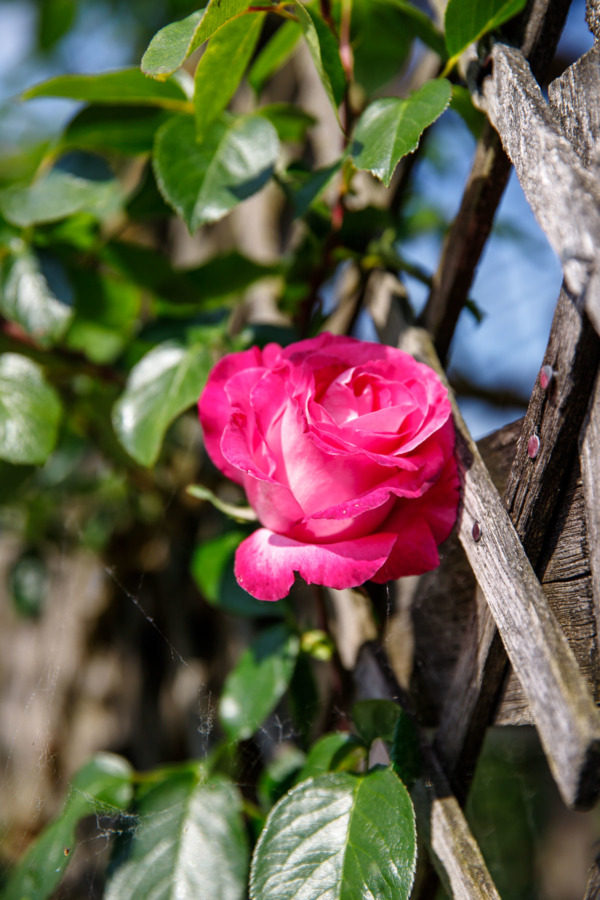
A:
x: 345, y: 450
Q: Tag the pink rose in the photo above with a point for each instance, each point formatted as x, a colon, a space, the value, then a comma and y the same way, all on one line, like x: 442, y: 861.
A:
x: 345, y: 450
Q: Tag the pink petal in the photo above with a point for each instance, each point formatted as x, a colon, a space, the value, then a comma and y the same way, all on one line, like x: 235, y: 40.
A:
x: 214, y: 407
x: 265, y: 562
x: 420, y: 525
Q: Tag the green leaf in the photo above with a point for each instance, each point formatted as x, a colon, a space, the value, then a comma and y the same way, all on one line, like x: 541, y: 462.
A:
x: 312, y: 186
x: 468, y: 20
x: 376, y: 719
x: 221, y: 68
x: 30, y: 411
x: 203, y: 182
x: 118, y: 129
x: 406, y: 750
x: 166, y: 381
x: 173, y: 44
x: 102, y: 787
x: 188, y: 841
x: 341, y: 836
x: 55, y: 18
x: 258, y: 681
x: 127, y: 86
x: 290, y: 122
x: 27, y: 298
x: 381, y: 39
x: 335, y: 752
x: 274, y: 54
x: 106, y: 312
x: 59, y: 195
x: 390, y: 128
x: 324, y: 51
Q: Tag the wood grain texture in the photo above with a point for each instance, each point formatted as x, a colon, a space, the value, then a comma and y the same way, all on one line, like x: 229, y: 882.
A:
x: 590, y: 475
x: 563, y: 195
x: 564, y: 711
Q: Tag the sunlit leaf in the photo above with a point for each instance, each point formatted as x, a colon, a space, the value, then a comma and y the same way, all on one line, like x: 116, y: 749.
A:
x: 222, y: 66
x: 341, y: 836
x: 258, y: 681
x: 27, y: 297
x: 390, y: 128
x: 188, y: 841
x: 30, y: 411
x: 173, y: 44
x: 166, y: 381
x: 203, y: 182
x: 335, y: 752
x: 467, y: 20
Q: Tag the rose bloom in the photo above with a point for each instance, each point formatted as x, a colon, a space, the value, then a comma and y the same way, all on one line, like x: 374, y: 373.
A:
x: 345, y: 450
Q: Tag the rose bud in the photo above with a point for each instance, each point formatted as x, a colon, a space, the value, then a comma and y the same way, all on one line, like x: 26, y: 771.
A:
x: 345, y: 450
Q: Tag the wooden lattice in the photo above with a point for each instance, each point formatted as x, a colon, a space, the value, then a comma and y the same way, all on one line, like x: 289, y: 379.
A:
x: 530, y: 522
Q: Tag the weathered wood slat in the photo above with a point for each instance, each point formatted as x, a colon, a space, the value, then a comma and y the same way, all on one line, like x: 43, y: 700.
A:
x: 590, y: 475
x: 565, y: 714
x: 440, y: 820
x: 563, y: 195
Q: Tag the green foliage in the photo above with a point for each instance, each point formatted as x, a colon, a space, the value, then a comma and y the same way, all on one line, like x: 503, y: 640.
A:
x: 102, y: 787
x: 30, y: 411
x: 186, y: 827
x: 106, y: 340
x: 466, y: 22
x: 128, y: 86
x: 258, y: 681
x: 221, y: 68
x: 390, y: 128
x: 341, y: 835
x: 165, y: 382
x: 203, y: 182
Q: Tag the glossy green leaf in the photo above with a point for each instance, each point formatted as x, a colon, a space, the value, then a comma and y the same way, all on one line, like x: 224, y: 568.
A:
x: 277, y: 50
x: 375, y: 719
x: 106, y: 311
x: 57, y: 196
x: 324, y: 51
x: 381, y: 40
x: 173, y: 44
x: 102, y: 787
x: 340, y: 836
x: 290, y: 122
x: 30, y: 411
x: 27, y: 298
x: 188, y: 841
x: 120, y: 129
x: 466, y: 21
x: 258, y: 681
x: 127, y: 86
x: 203, y: 182
x: 340, y: 751
x: 390, y: 128
x: 221, y: 68
x: 166, y: 381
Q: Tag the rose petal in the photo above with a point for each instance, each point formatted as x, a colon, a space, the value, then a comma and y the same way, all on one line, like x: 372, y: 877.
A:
x: 214, y: 407
x: 265, y: 562
x: 420, y: 525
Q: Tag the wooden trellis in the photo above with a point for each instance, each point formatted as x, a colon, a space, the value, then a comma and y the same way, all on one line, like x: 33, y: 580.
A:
x: 531, y: 534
